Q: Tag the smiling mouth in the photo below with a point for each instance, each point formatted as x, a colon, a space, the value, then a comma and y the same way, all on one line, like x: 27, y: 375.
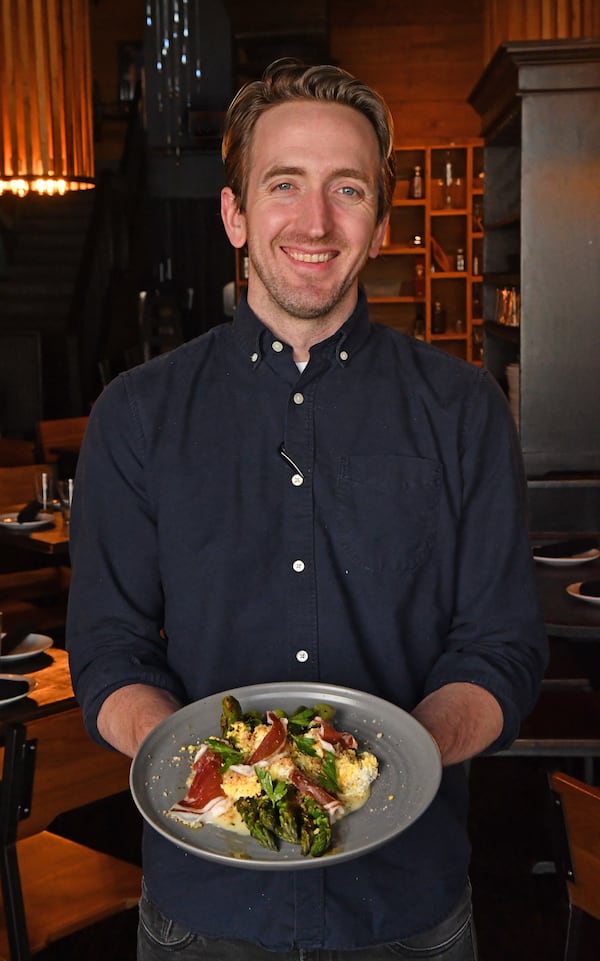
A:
x: 320, y: 258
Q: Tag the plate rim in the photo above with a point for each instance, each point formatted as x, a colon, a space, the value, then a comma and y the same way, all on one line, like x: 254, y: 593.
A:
x: 321, y: 691
x: 573, y: 591
x: 25, y: 525
x: 31, y: 681
x: 47, y: 642
x: 592, y: 554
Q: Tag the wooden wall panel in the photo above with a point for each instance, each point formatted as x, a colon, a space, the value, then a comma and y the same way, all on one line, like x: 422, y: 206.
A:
x: 424, y: 58
x: 539, y: 20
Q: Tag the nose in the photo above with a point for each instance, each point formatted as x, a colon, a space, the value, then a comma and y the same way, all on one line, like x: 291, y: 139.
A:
x: 315, y: 218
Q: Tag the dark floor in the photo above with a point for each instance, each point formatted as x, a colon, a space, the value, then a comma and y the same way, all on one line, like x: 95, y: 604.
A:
x: 520, y: 914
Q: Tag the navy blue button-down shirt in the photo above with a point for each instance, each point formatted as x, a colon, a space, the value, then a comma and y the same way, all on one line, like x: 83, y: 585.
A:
x: 362, y: 523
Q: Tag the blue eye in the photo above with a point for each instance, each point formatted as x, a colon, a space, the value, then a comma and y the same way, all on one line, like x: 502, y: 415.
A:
x: 349, y: 191
x: 283, y: 186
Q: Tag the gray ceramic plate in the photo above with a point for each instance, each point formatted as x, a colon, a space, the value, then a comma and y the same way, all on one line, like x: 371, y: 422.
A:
x: 409, y: 764
x: 13, y: 687
x: 30, y: 646
x: 10, y: 522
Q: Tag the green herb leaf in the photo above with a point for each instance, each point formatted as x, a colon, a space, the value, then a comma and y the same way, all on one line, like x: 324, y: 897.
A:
x: 328, y: 777
x: 302, y: 717
x: 305, y: 745
x: 274, y: 791
x: 229, y: 754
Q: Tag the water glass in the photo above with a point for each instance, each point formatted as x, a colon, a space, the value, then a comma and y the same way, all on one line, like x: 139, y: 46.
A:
x: 65, y: 496
x: 43, y: 488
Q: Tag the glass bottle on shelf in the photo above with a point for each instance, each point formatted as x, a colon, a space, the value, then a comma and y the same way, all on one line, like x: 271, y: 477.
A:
x: 415, y: 186
x: 419, y: 327
x: 460, y: 259
x: 438, y: 318
x: 448, y: 180
x: 419, y: 277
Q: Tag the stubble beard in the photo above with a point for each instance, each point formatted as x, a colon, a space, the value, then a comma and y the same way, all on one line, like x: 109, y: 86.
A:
x: 304, y: 304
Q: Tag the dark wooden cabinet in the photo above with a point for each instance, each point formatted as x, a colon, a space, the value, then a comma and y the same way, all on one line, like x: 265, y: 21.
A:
x: 540, y: 109
x: 539, y: 104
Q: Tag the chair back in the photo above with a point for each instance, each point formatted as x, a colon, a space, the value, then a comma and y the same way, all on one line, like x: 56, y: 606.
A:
x: 580, y: 807
x: 51, y: 885
x: 14, y: 452
x: 68, y: 770
x: 64, y: 432
x: 17, y: 483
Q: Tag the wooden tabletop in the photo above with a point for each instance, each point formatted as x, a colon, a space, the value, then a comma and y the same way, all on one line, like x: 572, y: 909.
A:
x: 52, y: 694
x: 49, y: 540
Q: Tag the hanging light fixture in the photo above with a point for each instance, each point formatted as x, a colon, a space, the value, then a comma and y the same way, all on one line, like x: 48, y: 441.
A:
x: 46, y: 140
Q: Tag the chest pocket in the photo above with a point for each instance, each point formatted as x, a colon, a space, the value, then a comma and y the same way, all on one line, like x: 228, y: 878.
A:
x: 387, y: 510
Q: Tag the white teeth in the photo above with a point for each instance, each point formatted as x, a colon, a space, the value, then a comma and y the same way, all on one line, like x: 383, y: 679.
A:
x: 310, y: 258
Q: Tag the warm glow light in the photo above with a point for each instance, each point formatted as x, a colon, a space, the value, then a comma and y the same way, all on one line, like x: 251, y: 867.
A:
x: 46, y: 140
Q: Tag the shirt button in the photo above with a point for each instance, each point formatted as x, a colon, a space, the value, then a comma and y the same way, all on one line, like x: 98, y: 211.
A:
x: 298, y: 398
x: 297, y: 480
x: 343, y: 355
x: 298, y: 566
x: 277, y: 346
x: 302, y: 656
x: 254, y: 357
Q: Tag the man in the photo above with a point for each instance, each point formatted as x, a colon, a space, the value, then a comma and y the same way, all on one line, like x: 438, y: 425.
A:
x: 302, y: 495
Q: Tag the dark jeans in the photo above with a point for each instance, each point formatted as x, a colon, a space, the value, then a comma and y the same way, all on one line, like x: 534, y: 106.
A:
x: 162, y: 940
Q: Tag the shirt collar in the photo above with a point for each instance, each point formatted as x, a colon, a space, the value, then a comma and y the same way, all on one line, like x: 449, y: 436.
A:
x: 255, y: 339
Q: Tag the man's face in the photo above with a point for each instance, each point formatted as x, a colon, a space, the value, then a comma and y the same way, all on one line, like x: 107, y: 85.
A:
x: 310, y: 217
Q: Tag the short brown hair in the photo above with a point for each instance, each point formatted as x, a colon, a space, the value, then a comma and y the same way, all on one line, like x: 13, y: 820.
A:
x: 287, y: 80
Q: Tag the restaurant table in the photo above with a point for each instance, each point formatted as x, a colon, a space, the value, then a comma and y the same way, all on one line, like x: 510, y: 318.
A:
x: 53, y: 691
x: 571, y: 622
x: 564, y: 725
x: 566, y: 616
x: 51, y: 885
x: 50, y: 540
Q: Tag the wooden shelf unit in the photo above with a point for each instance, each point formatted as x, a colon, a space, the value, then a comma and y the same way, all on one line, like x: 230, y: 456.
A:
x: 389, y: 281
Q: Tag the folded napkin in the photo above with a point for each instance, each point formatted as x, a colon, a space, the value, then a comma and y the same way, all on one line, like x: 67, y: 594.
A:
x: 29, y: 512
x: 590, y: 589
x: 14, y: 637
x: 569, y: 548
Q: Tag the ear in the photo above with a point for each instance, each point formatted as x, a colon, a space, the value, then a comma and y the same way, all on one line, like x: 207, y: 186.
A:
x: 233, y: 220
x: 378, y: 235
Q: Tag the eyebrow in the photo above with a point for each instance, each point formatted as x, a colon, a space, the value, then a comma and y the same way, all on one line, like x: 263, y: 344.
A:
x: 281, y: 170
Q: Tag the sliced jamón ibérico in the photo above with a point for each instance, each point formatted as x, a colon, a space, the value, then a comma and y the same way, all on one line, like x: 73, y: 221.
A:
x: 334, y: 808
x: 332, y: 736
x: 274, y: 742
x: 207, y: 781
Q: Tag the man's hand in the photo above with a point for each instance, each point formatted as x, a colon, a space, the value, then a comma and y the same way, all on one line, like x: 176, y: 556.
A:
x: 463, y: 719
x: 130, y: 713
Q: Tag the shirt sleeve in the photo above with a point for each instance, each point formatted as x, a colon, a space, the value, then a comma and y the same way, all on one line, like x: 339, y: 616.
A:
x: 115, y: 615
x: 497, y: 638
